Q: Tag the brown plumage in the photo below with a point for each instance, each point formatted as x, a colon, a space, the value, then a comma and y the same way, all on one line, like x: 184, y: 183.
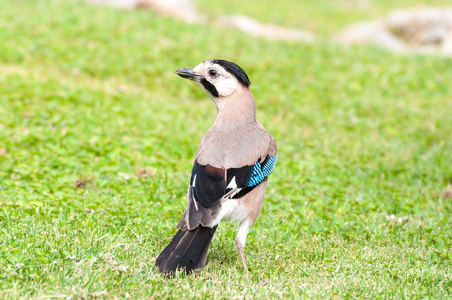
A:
x: 229, y: 176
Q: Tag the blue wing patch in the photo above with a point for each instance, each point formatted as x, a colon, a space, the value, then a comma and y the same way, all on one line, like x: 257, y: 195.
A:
x: 261, y: 172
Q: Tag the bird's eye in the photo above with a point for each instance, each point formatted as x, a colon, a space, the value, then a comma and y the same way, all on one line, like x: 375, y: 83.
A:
x: 213, y: 73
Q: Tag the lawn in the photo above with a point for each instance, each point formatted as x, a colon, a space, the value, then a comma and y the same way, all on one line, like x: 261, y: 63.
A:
x: 98, y: 136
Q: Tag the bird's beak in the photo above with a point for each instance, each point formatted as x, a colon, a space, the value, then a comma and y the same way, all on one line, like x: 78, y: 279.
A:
x: 187, y: 73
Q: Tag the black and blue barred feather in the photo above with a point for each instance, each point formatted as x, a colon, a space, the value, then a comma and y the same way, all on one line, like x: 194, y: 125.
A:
x: 261, y: 171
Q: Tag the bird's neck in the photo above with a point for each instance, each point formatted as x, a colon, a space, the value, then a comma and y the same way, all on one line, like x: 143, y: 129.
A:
x: 237, y: 110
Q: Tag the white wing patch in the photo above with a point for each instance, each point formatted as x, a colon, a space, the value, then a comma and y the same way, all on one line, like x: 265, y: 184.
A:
x: 232, y: 184
x: 194, y: 199
x: 194, y: 181
x: 196, y: 202
x: 234, y: 189
x: 231, y: 194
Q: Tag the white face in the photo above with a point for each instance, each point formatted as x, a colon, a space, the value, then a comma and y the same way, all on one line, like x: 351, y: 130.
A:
x: 225, y: 84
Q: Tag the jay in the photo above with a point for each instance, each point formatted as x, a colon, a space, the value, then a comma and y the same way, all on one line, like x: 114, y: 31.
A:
x: 229, y: 176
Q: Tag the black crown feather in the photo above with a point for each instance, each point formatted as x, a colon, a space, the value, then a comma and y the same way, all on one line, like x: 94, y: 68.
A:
x: 234, y: 69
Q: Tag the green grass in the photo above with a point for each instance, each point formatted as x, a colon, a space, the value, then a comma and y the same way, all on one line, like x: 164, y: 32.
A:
x: 89, y: 102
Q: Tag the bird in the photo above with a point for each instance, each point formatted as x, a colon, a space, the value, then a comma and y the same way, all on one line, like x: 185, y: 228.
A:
x: 230, y: 172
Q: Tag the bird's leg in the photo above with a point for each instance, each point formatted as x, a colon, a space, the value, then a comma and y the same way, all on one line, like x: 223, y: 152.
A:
x: 242, y: 254
x: 241, y: 240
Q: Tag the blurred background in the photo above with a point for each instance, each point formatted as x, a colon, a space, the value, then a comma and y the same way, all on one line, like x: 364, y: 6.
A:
x: 98, y: 136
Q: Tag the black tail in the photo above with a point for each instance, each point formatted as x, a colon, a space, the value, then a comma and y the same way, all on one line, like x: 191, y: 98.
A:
x: 187, y: 251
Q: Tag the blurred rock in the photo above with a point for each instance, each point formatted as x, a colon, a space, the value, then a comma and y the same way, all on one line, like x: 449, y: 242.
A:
x: 117, y: 3
x: 269, y: 31
x: 180, y: 9
x: 186, y: 11
x: 433, y: 36
x: 446, y: 46
x: 420, y: 25
x: 183, y: 10
x: 369, y: 33
x: 420, y: 29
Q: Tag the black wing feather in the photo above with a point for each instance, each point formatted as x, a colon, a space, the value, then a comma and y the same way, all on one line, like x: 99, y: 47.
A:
x: 242, y: 175
x: 209, y: 183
